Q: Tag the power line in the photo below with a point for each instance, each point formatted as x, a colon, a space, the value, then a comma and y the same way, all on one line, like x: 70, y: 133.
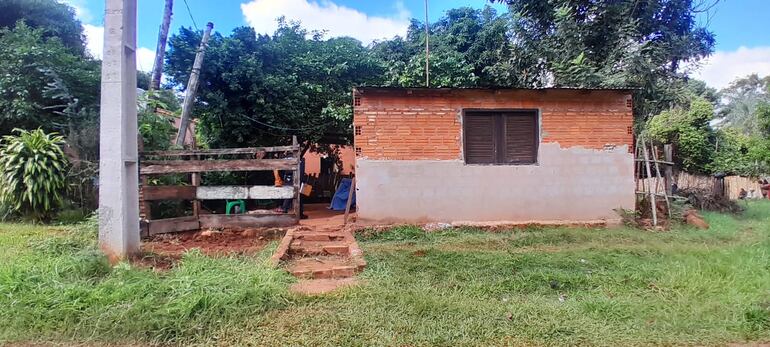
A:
x: 282, y: 128
x: 190, y: 13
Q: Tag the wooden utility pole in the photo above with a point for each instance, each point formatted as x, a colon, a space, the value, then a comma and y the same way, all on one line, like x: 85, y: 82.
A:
x: 192, y: 86
x: 118, y: 167
x: 160, y: 50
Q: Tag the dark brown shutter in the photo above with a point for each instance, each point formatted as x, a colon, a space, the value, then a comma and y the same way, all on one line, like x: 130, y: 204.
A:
x: 520, y: 137
x: 479, y: 138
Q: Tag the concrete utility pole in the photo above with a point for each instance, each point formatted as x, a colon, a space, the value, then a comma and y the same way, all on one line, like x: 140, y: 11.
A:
x: 192, y: 86
x: 118, y: 171
x: 160, y: 50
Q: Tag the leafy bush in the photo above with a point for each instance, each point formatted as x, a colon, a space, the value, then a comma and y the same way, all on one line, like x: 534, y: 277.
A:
x: 741, y: 154
x: 689, y: 131
x: 156, y: 128
x: 32, y: 173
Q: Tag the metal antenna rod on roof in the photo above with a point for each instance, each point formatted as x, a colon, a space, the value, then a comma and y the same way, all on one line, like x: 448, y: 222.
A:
x: 427, y: 47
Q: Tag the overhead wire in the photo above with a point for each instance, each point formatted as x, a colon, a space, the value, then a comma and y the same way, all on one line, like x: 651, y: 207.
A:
x: 282, y: 128
x: 191, y: 15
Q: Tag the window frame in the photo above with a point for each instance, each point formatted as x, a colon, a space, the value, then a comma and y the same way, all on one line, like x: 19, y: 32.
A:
x: 493, y: 111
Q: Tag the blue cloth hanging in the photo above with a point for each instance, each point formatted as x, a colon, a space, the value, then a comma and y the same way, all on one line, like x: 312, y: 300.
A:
x: 340, y: 198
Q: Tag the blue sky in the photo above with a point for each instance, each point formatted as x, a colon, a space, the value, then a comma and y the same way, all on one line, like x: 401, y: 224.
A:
x: 743, y: 41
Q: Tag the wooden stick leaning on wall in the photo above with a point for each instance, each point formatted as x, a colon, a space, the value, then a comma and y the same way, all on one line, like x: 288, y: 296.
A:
x: 649, y: 183
x: 657, y: 170
x: 350, y: 200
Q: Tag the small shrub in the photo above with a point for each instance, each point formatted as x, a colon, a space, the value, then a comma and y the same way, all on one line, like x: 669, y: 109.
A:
x: 70, y: 216
x: 757, y: 319
x: 32, y: 173
x: 399, y: 233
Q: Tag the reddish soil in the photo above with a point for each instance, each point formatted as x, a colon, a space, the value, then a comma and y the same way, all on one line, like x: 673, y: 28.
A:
x: 155, y: 261
x: 162, y: 251
x: 321, y: 217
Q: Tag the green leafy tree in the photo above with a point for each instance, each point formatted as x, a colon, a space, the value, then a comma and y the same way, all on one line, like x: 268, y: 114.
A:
x: 744, y: 102
x: 157, y: 111
x: 44, y: 84
x: 611, y: 43
x: 55, y: 19
x: 259, y: 90
x: 32, y: 173
x: 740, y: 154
x: 689, y: 131
x: 468, y: 47
x: 447, y: 69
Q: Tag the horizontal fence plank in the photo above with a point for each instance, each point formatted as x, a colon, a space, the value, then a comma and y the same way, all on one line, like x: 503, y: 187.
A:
x: 168, y: 193
x: 157, y: 167
x: 246, y: 220
x: 244, y: 192
x: 222, y: 192
x: 172, y: 225
x: 733, y: 184
x: 268, y: 192
x: 220, y: 151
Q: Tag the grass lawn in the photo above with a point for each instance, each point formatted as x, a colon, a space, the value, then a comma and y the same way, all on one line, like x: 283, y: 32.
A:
x: 534, y: 286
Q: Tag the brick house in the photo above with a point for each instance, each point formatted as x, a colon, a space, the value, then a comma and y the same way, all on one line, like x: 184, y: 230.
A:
x: 493, y: 155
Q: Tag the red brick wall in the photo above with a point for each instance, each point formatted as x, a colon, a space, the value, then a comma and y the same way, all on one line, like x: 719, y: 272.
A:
x: 426, y: 124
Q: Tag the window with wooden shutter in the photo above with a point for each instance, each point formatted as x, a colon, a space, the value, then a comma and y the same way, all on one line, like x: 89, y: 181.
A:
x: 480, y: 138
x: 500, y: 137
x: 520, y: 137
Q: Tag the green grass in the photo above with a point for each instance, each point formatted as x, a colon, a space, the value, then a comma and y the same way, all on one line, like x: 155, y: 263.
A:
x: 532, y: 286
x: 56, y: 286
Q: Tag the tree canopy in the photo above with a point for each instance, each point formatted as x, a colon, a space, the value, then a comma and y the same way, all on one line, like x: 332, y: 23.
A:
x: 260, y: 89
x: 54, y: 18
x: 43, y: 84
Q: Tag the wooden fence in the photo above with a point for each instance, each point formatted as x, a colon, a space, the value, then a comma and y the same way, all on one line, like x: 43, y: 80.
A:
x: 733, y: 184
x: 195, y: 162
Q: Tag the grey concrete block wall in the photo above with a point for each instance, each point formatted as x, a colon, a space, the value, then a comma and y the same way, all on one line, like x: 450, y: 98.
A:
x: 568, y: 185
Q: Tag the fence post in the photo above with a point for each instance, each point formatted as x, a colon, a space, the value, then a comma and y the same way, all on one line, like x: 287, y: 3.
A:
x: 297, y: 177
x: 668, y: 153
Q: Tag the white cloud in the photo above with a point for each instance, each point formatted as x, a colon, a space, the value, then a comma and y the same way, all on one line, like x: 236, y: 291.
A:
x: 326, y: 15
x: 725, y: 66
x: 94, y: 40
x: 145, y: 57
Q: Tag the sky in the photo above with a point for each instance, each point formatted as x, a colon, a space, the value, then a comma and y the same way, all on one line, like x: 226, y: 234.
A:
x: 740, y: 26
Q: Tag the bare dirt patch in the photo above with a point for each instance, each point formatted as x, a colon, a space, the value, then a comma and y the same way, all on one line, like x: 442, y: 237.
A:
x: 160, y: 248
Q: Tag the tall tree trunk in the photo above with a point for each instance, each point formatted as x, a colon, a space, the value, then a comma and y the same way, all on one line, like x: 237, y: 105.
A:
x: 160, y: 50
